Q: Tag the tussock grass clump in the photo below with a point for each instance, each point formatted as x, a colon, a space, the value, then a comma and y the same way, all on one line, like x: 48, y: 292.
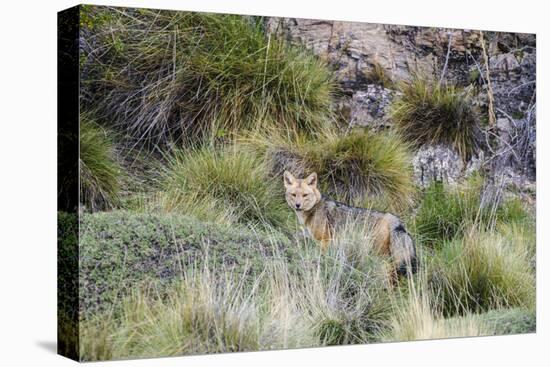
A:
x: 171, y: 75
x: 525, y: 238
x: 343, y: 293
x: 428, y: 112
x: 378, y: 75
x: 416, y: 319
x: 446, y: 212
x: 484, y: 270
x: 100, y: 170
x: 364, y: 164
x: 210, y: 182
x: 356, y: 168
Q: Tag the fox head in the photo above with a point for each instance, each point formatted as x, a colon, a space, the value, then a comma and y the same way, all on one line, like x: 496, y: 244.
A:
x: 301, y: 194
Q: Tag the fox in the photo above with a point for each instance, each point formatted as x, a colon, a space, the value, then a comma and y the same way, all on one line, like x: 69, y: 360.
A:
x: 323, y: 218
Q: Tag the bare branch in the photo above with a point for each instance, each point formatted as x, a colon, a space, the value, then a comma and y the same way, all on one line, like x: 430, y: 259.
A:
x: 490, y: 97
x: 446, y: 58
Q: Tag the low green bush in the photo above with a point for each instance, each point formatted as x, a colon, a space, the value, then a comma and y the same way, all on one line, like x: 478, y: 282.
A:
x: 120, y: 249
x: 510, y: 321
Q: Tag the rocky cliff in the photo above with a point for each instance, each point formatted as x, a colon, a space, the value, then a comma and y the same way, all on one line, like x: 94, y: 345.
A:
x: 369, y: 61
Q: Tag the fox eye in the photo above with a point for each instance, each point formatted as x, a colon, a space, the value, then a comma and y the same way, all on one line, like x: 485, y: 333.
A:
x: 306, y: 195
x: 293, y: 195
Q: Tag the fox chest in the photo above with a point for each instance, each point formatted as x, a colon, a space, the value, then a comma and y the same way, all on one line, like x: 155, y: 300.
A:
x: 317, y: 226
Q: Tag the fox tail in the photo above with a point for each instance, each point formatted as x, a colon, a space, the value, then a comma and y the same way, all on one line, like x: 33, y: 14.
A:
x: 403, y: 251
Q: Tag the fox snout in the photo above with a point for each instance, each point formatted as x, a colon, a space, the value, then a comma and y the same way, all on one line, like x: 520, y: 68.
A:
x: 297, y: 206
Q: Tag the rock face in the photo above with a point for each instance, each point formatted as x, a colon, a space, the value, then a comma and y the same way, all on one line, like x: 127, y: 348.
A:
x: 370, y: 107
x: 437, y: 163
x: 512, y: 64
x: 359, y: 51
x: 353, y: 48
x: 514, y: 160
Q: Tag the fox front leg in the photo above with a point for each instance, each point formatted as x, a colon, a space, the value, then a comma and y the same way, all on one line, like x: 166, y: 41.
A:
x: 324, y: 245
x: 302, y: 235
x: 325, y: 237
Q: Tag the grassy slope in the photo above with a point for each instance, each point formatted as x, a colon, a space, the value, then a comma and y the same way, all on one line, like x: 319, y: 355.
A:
x: 157, y: 251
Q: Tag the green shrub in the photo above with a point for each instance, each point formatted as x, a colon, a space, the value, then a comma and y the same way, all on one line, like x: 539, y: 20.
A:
x: 481, y: 271
x: 427, y: 112
x: 179, y: 75
x: 359, y: 168
x: 67, y: 284
x: 445, y: 212
x: 209, y: 181
x: 100, y: 171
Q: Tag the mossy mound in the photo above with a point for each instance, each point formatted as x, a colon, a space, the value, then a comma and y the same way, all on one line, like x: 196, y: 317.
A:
x: 119, y: 250
x: 510, y: 321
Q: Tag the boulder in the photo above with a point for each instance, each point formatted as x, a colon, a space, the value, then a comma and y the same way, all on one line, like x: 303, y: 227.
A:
x: 437, y: 163
x: 370, y: 106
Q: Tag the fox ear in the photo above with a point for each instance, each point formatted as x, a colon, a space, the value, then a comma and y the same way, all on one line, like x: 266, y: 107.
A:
x: 288, y: 179
x: 311, y: 180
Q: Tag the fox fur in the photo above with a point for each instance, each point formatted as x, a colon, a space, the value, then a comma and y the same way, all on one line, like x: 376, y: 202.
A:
x: 323, y: 217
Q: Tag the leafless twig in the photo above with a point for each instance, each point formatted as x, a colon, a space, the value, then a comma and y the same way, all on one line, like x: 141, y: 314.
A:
x: 521, y: 86
x: 490, y: 97
x: 478, y: 67
x: 446, y: 58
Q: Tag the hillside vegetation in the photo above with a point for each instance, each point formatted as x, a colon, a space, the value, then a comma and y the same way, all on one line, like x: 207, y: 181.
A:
x: 186, y: 243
